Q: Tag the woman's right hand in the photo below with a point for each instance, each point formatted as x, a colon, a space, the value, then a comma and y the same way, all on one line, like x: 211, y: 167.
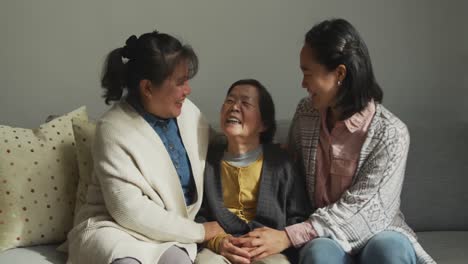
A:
x: 234, y: 254
x: 212, y: 229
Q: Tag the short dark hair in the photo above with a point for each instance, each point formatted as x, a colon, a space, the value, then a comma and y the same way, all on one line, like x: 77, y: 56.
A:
x: 336, y: 42
x: 152, y: 56
x: 267, y: 108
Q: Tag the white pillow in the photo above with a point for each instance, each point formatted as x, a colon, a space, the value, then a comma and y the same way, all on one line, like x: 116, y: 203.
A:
x: 38, y: 181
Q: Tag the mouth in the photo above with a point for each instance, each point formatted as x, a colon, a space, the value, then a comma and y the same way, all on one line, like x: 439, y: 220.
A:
x: 233, y: 120
x: 180, y: 102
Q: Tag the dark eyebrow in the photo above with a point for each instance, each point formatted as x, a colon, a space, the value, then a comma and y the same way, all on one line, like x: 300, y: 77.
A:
x: 182, y: 79
x: 242, y: 97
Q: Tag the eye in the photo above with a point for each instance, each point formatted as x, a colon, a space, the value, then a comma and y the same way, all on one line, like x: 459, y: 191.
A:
x: 182, y: 81
x: 228, y: 101
x: 246, y: 104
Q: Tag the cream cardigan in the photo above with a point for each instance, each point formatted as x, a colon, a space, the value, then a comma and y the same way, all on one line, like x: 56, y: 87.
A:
x: 135, y: 204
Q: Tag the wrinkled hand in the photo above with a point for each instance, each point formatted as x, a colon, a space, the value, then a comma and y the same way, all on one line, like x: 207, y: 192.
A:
x: 212, y: 229
x: 233, y: 253
x: 264, y: 242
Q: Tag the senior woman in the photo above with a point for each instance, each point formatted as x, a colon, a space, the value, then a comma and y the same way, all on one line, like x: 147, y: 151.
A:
x: 149, y: 153
x: 249, y: 181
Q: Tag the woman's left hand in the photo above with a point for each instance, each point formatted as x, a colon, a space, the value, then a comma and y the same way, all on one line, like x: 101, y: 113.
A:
x: 212, y: 229
x: 264, y: 242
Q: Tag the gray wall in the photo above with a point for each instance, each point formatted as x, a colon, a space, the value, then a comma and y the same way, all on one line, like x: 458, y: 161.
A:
x: 464, y: 55
x: 51, y: 52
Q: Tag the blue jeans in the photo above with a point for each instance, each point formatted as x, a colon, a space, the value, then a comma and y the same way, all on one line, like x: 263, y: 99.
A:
x: 384, y: 248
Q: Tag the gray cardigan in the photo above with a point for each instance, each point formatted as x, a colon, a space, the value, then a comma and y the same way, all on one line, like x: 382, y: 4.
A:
x: 282, y: 199
x: 372, y: 203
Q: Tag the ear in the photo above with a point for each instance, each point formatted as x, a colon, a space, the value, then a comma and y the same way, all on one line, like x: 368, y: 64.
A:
x: 340, y: 72
x: 146, y: 88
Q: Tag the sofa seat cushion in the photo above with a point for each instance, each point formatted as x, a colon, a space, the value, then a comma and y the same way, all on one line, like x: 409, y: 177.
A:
x: 446, y: 247
x: 44, y: 254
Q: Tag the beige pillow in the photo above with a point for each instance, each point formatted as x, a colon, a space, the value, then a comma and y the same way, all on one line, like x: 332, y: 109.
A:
x: 38, y: 181
x: 84, y: 137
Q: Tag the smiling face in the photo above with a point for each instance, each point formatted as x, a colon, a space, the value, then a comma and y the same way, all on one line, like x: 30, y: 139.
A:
x: 321, y: 84
x: 166, y: 100
x: 241, y: 120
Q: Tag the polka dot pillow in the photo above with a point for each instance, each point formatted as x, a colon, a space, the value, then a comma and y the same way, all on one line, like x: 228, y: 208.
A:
x: 84, y: 136
x: 38, y: 181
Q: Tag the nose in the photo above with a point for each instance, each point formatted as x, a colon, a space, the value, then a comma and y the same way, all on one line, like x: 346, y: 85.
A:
x: 303, y: 83
x: 235, y: 106
x: 187, y: 88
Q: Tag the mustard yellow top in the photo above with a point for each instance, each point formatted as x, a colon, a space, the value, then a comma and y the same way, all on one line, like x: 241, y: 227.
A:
x: 240, y: 190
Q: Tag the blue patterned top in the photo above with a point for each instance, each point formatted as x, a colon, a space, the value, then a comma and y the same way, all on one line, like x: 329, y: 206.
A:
x: 168, y: 131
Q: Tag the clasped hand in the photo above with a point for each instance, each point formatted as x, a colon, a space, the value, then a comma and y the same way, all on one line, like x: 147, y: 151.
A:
x: 260, y: 243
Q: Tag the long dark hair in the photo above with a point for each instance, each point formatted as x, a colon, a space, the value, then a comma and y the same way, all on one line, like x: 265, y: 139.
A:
x: 153, y: 56
x: 267, y: 108
x: 336, y: 42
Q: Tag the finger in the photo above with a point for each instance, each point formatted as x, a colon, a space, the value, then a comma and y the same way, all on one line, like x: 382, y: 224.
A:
x: 237, y: 259
x: 256, y: 242
x: 257, y: 252
x: 263, y: 255
x: 235, y: 240
x: 240, y: 240
x: 250, y: 242
x: 239, y: 245
x: 237, y: 251
x: 248, y: 248
x: 255, y: 233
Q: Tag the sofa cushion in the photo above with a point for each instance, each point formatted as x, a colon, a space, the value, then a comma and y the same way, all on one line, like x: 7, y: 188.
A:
x: 446, y: 247
x: 434, y: 196
x: 44, y: 254
x: 38, y: 179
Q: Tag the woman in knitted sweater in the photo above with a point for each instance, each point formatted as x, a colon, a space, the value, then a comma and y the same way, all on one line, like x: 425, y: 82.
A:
x: 352, y: 152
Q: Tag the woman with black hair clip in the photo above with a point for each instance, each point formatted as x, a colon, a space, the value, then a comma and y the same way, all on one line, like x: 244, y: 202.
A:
x: 149, y: 152
x: 352, y: 152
